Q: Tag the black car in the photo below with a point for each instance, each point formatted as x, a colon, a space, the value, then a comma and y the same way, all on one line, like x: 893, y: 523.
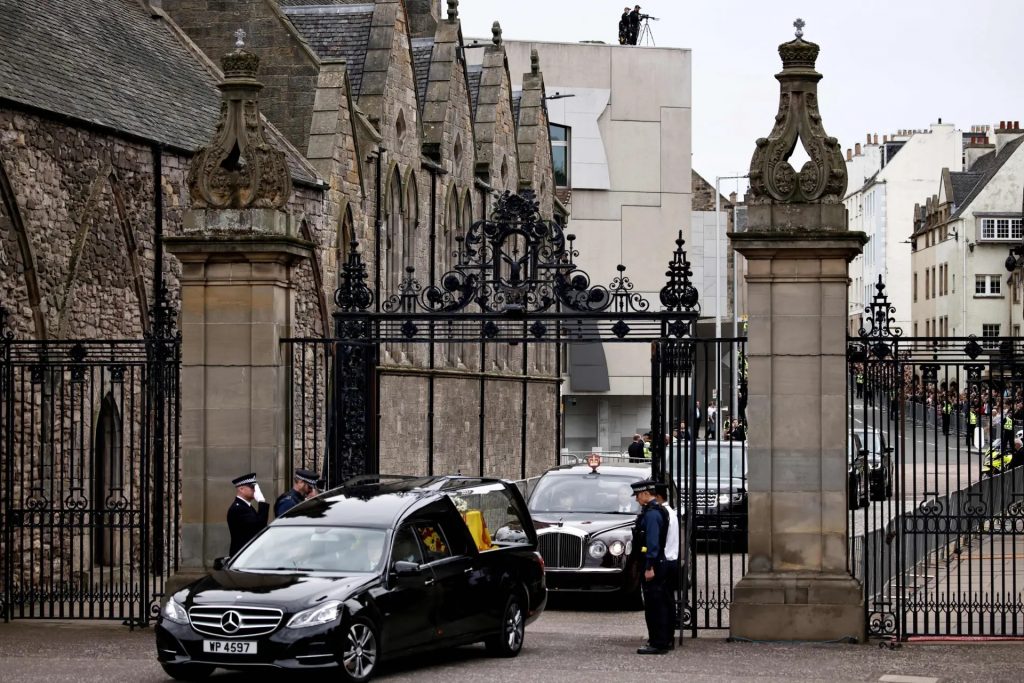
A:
x: 720, y: 509
x: 367, y: 571
x: 584, y: 517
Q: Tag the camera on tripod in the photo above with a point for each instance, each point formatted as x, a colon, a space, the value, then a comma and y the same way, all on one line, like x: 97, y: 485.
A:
x: 648, y: 16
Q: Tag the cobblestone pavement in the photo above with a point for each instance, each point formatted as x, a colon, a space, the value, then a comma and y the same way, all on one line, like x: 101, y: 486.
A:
x: 566, y: 646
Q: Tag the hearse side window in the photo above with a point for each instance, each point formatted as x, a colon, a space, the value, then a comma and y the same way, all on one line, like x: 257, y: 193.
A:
x: 407, y: 547
x: 434, y: 543
x: 491, y: 515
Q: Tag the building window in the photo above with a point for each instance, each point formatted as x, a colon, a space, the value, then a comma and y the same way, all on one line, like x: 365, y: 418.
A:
x: 1001, y: 229
x: 987, y: 285
x: 1016, y: 330
x: 990, y: 331
x: 915, y: 287
x: 561, y: 138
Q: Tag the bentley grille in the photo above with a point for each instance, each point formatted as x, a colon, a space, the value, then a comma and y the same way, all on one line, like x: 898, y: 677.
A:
x: 234, y: 622
x: 561, y: 550
x: 705, y: 498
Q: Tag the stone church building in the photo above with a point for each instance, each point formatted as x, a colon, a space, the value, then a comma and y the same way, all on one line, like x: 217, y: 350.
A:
x: 391, y: 141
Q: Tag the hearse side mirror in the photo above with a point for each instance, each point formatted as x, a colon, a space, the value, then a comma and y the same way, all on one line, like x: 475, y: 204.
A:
x: 406, y: 572
x: 220, y: 562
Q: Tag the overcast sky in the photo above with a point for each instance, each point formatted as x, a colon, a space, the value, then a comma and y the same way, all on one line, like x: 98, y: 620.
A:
x: 886, y: 65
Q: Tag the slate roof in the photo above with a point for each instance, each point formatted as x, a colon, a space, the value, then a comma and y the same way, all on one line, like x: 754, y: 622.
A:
x: 517, y: 100
x: 473, y: 73
x: 422, y: 49
x: 987, y: 167
x: 106, y: 62
x: 109, y: 63
x: 963, y: 183
x: 338, y: 30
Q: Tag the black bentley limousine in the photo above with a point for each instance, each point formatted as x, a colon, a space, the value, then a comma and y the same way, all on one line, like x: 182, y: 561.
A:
x: 367, y: 571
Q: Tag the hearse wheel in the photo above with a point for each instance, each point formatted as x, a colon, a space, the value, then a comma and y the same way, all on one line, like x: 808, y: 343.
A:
x: 509, y: 640
x: 359, y: 651
x: 188, y: 672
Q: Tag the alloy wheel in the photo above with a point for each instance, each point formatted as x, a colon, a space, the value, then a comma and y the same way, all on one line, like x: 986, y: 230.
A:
x: 360, y: 654
x: 514, y: 626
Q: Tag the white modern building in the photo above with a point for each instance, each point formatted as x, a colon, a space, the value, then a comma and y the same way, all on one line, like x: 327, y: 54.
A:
x: 963, y: 234
x: 886, y: 180
x: 627, y: 180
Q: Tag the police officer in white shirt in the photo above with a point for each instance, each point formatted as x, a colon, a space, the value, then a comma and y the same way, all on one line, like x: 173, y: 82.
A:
x: 671, y: 549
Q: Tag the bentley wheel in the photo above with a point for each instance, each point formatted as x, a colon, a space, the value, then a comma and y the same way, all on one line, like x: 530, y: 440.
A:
x: 359, y: 653
x: 509, y: 640
x: 188, y: 672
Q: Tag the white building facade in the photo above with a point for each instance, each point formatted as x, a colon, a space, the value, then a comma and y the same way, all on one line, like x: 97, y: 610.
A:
x: 963, y: 234
x: 886, y: 180
x: 627, y: 111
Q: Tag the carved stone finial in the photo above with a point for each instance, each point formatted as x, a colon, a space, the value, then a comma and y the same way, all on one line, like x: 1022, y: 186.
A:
x: 453, y: 10
x: 799, y: 24
x: 496, y: 33
x: 239, y: 169
x: 822, y: 179
x: 240, y: 39
x: 534, y: 62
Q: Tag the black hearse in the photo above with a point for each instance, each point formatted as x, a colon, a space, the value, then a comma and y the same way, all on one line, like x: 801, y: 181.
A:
x: 376, y: 568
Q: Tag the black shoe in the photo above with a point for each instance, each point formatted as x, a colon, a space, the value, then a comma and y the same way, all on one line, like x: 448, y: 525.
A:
x: 671, y: 644
x: 648, y: 650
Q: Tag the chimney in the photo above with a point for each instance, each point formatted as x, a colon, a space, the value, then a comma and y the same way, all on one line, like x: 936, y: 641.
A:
x: 876, y: 138
x: 732, y: 198
x: 856, y: 150
x: 424, y: 16
x: 1008, y: 131
x: 849, y: 154
x: 885, y: 138
x: 868, y: 141
x: 975, y: 149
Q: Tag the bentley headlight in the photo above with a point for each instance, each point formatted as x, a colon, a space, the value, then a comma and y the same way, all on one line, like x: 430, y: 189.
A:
x: 597, y: 549
x: 175, y: 612
x: 321, y: 614
x: 726, y: 498
x: 616, y: 548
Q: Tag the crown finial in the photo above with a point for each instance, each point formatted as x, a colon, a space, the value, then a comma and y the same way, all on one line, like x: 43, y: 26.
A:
x: 240, y: 39
x: 534, y: 62
x: 496, y: 33
x: 799, y: 24
x: 453, y: 10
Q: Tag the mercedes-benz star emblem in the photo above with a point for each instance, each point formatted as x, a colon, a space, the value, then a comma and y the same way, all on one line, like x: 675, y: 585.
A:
x: 231, y: 621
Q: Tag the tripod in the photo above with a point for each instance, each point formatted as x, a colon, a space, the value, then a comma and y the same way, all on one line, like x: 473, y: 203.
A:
x: 645, y: 37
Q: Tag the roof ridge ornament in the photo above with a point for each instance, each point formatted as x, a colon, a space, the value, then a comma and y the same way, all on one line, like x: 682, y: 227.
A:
x: 822, y: 179
x: 453, y: 11
x: 239, y: 169
x: 496, y: 33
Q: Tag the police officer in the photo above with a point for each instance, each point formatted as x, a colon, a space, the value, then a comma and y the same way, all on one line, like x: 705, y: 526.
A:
x: 947, y: 410
x: 972, y: 424
x: 303, y: 487
x: 649, y: 535
x: 243, y: 521
x: 671, y: 554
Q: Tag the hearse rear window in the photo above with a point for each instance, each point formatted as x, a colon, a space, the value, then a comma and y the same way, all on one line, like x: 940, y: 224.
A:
x: 492, y: 516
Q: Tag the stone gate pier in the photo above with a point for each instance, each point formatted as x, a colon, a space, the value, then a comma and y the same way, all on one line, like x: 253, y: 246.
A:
x: 798, y: 586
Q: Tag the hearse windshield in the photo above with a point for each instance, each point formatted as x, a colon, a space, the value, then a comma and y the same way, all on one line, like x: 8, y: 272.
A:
x: 337, y: 550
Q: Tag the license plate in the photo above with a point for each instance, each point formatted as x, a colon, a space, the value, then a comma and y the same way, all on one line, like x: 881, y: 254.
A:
x: 230, y: 647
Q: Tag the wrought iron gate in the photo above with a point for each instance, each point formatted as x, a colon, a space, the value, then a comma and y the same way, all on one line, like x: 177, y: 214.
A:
x: 89, y: 437
x: 936, y: 500
x: 513, y: 284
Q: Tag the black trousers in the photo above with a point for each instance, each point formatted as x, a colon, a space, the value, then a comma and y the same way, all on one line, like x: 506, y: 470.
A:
x: 658, y: 607
x: 970, y: 434
x: 945, y: 423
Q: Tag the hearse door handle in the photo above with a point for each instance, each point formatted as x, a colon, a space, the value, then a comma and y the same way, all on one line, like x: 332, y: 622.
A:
x: 468, y: 570
x: 428, y: 582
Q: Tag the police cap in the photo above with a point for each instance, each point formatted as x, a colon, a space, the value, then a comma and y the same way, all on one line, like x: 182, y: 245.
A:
x: 643, y: 485
x: 245, y: 480
x: 307, y: 476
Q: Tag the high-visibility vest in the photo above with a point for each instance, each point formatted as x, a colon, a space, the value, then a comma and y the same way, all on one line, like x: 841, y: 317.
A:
x: 974, y: 418
x: 947, y: 407
x: 1008, y: 423
x: 647, y: 449
x: 860, y: 378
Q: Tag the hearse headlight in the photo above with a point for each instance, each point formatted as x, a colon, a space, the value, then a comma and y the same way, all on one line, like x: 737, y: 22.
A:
x: 316, y: 616
x: 616, y: 548
x: 597, y: 549
x: 175, y: 612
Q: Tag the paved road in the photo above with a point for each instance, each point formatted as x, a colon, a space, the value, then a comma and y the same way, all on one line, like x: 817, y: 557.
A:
x: 564, y: 646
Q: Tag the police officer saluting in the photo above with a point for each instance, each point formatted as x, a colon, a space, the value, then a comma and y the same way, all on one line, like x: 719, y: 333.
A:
x: 243, y: 521
x: 649, y: 535
x: 304, y: 486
